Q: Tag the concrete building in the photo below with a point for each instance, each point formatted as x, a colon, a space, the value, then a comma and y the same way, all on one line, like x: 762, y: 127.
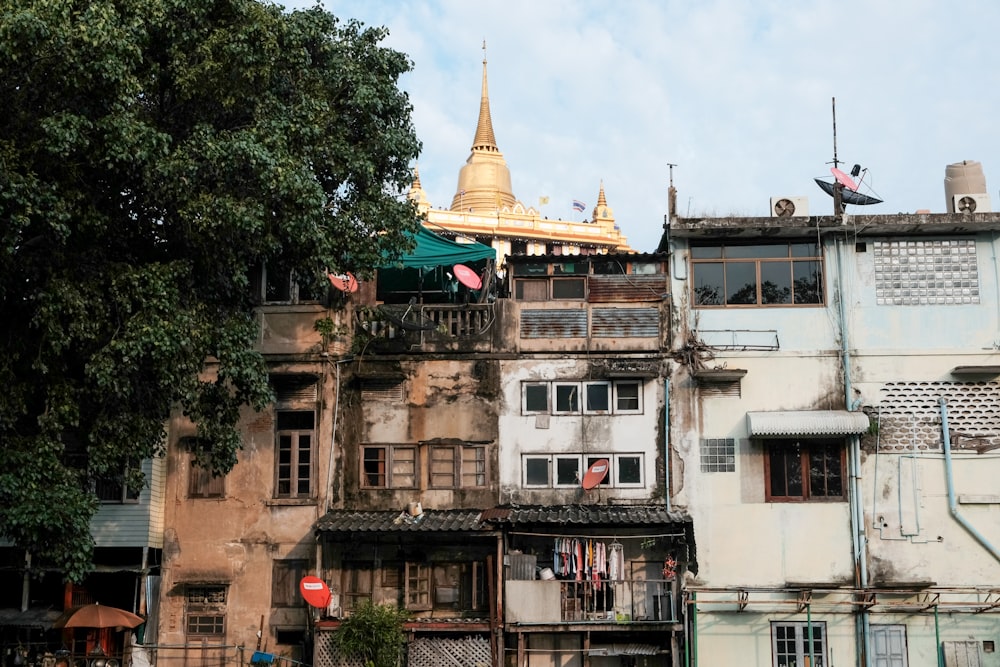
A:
x: 834, y: 424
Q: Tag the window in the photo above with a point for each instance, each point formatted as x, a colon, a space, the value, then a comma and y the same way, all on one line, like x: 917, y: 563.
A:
x: 718, y: 455
x: 569, y: 288
x: 536, y: 470
x: 442, y: 467
x: 114, y: 489
x: 389, y: 467
x: 598, y: 397
x: 627, y: 397
x: 473, y: 467
x: 203, y: 484
x: 277, y: 286
x: 285, y: 577
x: 566, y: 470
x: 567, y: 398
x: 295, y: 453
x: 205, y: 610
x: 444, y: 585
x: 356, y: 583
x: 797, y: 470
x: 770, y: 274
x: 792, y: 645
x: 535, y: 397
x: 418, y: 586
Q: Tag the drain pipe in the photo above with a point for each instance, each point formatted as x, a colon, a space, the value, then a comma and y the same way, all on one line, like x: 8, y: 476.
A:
x: 854, y: 465
x: 952, y: 503
x: 666, y: 442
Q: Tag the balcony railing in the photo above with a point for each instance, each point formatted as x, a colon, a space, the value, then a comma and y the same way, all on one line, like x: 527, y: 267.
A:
x: 622, y: 601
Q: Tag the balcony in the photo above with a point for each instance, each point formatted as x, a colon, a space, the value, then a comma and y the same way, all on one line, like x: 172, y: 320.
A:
x: 570, y: 602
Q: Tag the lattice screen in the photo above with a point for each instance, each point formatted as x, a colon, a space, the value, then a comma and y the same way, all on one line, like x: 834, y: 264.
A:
x: 910, y: 415
x: 434, y: 652
x: 328, y: 655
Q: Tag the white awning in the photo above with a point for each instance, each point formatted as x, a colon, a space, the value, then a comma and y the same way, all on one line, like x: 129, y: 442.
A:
x: 806, y: 423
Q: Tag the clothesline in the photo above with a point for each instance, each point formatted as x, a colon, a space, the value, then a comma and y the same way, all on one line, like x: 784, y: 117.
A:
x: 588, y: 536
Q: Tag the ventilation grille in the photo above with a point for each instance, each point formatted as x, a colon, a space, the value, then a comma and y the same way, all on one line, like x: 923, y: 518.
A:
x: 294, y: 388
x: 910, y: 416
x: 381, y: 390
x: 720, y: 389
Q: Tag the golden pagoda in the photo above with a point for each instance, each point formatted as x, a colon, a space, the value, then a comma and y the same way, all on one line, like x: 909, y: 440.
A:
x: 484, y: 207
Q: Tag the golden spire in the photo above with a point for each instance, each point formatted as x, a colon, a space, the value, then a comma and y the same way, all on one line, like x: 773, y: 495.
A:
x: 602, y: 211
x: 485, y: 140
x: 601, y: 201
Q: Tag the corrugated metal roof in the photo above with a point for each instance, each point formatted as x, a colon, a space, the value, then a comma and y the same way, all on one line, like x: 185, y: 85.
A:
x: 350, y: 521
x: 590, y: 515
x: 630, y: 287
x: 814, y: 423
x: 625, y: 649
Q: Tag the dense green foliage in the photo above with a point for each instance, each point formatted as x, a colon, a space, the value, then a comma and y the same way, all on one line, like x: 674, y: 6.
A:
x: 152, y: 154
x: 373, y: 633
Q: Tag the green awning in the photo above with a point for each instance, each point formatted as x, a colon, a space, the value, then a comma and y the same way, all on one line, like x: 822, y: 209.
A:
x: 434, y: 250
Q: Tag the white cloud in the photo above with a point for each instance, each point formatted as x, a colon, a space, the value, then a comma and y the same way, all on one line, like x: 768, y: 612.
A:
x: 737, y: 93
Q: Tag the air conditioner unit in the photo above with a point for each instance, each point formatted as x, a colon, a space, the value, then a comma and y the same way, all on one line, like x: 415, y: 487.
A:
x: 788, y: 207
x: 978, y: 202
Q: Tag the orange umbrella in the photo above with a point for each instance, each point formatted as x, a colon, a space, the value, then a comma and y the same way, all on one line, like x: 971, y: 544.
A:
x: 97, y: 616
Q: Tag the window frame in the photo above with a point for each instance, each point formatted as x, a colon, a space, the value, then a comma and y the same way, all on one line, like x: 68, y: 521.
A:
x: 389, y: 461
x: 757, y: 263
x: 205, y: 607
x: 354, y: 575
x: 799, y: 640
x: 806, y: 448
x: 615, y: 397
x: 286, y: 573
x: 576, y: 391
x: 608, y: 397
x: 525, y: 410
x: 584, y: 461
x: 114, y: 490
x: 294, y: 465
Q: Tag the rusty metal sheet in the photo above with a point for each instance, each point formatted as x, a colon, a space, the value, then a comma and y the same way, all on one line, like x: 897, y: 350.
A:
x: 555, y: 323
x: 627, y: 288
x: 626, y: 323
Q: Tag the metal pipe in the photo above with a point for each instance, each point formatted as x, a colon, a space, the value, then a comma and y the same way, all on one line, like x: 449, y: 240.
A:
x: 666, y: 442
x: 952, y: 503
x: 694, y: 629
x: 937, y: 639
x: 854, y: 464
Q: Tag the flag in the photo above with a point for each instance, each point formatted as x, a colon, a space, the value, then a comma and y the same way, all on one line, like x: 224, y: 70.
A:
x: 579, y: 205
x: 542, y: 201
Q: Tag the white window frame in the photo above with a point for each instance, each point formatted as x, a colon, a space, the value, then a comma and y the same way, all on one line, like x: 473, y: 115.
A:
x: 800, y: 629
x: 609, y: 396
x: 584, y: 461
x: 615, y: 408
x: 524, y: 470
x: 554, y: 470
x: 616, y: 469
x: 554, y: 399
x: 524, y: 398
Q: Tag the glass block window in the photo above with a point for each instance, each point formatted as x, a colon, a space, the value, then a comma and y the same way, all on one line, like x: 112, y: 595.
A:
x: 718, y: 455
x: 926, y: 272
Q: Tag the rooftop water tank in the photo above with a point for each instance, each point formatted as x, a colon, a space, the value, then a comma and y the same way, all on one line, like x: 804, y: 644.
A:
x: 964, y: 182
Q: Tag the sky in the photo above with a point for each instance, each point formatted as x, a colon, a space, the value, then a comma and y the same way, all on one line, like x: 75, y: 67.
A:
x: 738, y: 94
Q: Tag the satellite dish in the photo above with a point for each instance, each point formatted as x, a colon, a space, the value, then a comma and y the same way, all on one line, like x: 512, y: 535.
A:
x: 596, y: 473
x: 844, y: 179
x: 467, y: 276
x: 345, y: 282
x: 315, y: 591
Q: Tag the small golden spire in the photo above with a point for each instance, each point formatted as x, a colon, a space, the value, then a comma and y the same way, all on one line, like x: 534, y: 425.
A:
x: 601, y: 201
x: 485, y: 140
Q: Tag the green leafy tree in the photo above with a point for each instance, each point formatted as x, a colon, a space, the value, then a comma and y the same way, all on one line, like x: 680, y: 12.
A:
x: 373, y: 633
x: 152, y: 154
